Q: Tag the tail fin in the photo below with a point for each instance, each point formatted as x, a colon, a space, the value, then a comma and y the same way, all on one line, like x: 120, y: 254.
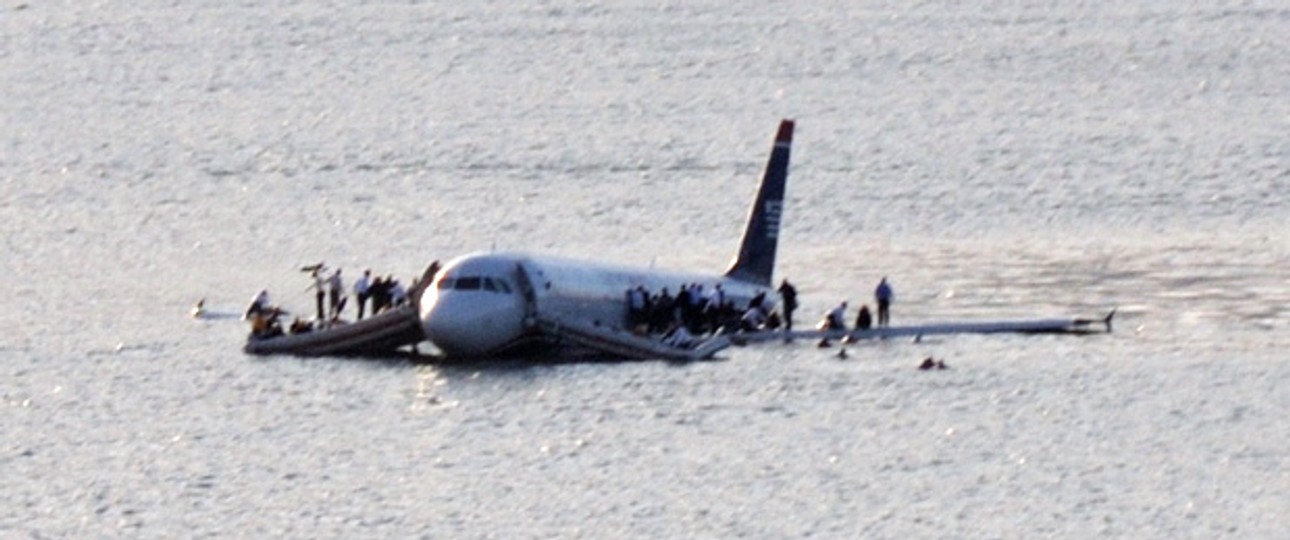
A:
x: 756, y: 260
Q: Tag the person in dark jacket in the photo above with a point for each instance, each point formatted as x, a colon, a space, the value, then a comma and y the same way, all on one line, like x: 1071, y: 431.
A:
x: 788, y: 294
x: 884, y: 296
x: 864, y: 320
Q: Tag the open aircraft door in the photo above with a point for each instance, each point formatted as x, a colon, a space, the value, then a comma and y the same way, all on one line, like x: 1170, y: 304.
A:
x: 523, y: 278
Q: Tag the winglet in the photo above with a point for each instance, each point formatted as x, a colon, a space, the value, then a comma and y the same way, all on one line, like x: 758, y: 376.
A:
x: 785, y: 134
x: 755, y: 262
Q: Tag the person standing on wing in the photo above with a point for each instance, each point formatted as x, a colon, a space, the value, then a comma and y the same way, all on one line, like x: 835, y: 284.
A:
x: 789, y: 295
x: 884, y: 296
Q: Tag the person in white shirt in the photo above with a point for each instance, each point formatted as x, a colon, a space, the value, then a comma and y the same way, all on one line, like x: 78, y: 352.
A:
x: 319, y: 287
x: 398, y: 295
x: 717, y: 297
x: 361, y: 286
x: 336, y: 291
x: 835, y: 320
x: 753, y: 319
x: 259, y: 304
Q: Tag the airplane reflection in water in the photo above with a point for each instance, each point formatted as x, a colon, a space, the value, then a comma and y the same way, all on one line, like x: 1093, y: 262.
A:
x: 491, y: 304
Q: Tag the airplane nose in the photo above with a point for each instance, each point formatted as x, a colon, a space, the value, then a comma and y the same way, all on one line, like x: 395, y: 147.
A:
x: 443, y: 327
x: 447, y: 330
x: 466, y: 324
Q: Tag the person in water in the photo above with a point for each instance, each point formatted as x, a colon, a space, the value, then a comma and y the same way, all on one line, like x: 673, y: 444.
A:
x: 884, y: 296
x: 929, y: 364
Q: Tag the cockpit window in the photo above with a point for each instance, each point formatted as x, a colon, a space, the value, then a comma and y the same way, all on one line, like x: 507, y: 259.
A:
x: 475, y: 283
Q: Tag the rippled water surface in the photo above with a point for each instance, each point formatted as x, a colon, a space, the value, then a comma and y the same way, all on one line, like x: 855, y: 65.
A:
x: 995, y: 160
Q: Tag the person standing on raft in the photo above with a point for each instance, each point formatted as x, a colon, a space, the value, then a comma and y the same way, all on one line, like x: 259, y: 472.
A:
x: 319, y: 286
x: 884, y: 296
x: 361, y: 292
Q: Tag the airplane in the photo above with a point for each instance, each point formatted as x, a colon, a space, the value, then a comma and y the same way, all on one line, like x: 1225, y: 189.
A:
x: 500, y: 304
x: 519, y: 304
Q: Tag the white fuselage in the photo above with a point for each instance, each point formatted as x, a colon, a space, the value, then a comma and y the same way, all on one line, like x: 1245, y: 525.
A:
x: 483, y: 304
x: 487, y: 304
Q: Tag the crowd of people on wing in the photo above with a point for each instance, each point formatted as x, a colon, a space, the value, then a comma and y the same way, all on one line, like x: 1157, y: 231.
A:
x: 697, y: 310
x: 694, y: 311
x: 373, y: 295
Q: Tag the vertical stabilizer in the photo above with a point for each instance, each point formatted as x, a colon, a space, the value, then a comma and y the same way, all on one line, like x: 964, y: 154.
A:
x: 756, y: 259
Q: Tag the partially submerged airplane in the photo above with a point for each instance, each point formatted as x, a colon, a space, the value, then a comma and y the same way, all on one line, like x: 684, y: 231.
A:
x: 497, y: 304
x: 521, y: 304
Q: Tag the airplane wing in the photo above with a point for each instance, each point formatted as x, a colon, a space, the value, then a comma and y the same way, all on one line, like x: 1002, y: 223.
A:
x: 1029, y: 326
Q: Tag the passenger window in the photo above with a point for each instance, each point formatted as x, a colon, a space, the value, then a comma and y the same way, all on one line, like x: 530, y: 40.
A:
x: 468, y: 284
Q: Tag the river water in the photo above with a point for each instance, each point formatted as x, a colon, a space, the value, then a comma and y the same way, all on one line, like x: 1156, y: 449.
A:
x: 993, y: 159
